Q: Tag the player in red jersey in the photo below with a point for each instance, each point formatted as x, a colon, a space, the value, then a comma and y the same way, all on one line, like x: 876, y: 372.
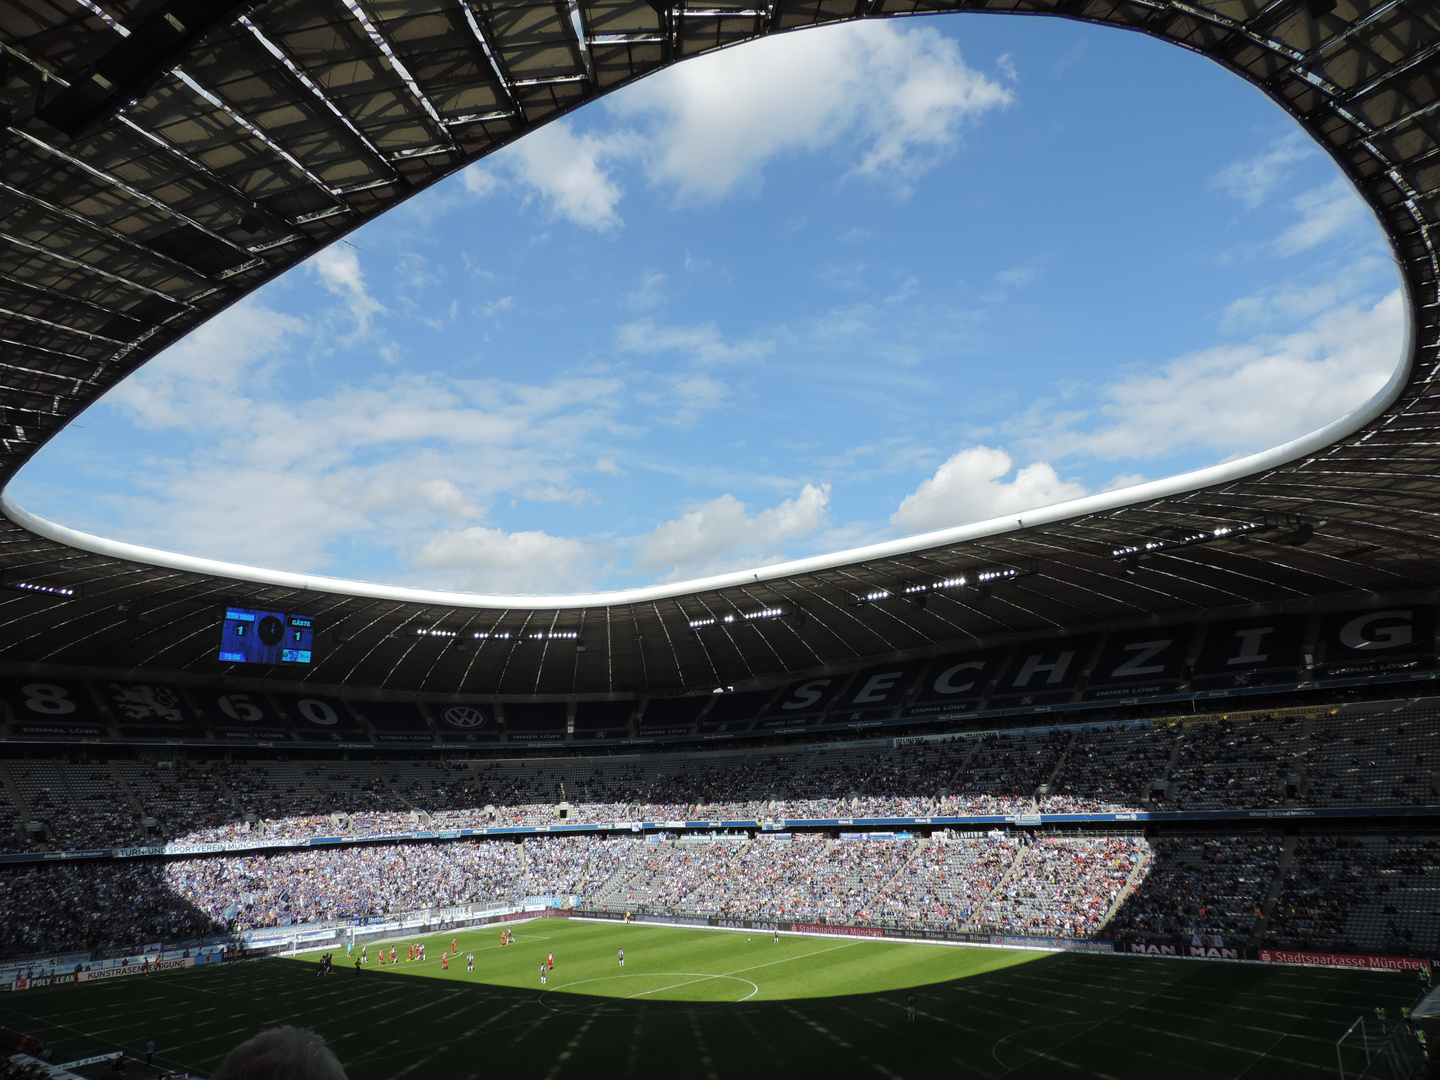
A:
x: 454, y: 948
x: 551, y: 961
x: 444, y: 962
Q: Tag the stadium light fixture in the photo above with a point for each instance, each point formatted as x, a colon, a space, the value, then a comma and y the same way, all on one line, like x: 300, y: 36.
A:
x: 1129, y: 554
x: 915, y: 592
x: 739, y: 616
x: 45, y: 588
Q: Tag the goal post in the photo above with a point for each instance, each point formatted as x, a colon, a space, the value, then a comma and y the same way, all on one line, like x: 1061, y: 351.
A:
x: 1372, y: 1050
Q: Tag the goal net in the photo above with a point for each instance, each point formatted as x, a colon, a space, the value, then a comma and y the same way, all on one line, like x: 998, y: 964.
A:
x: 1371, y: 1049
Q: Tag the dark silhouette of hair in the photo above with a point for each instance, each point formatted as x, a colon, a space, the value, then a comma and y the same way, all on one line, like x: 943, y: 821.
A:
x: 281, y: 1053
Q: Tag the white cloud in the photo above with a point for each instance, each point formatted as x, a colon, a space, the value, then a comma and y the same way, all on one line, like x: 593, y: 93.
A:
x: 1238, y: 399
x: 495, y: 561
x: 339, y: 268
x: 1325, y: 212
x: 190, y: 384
x: 480, y: 181
x: 444, y: 496
x: 1252, y: 180
x: 290, y: 483
x: 722, y: 535
x: 551, y: 494
x: 972, y: 486
x: 648, y: 293
x: 703, y: 344
x: 898, y: 98
x: 1291, y: 301
x: 1125, y: 480
x: 899, y: 95
x: 568, y: 172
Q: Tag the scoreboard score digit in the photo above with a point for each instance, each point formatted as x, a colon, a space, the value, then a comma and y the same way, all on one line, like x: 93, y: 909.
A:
x: 250, y: 636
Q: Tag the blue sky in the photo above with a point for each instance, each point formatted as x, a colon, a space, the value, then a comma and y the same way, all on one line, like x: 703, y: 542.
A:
x: 824, y: 289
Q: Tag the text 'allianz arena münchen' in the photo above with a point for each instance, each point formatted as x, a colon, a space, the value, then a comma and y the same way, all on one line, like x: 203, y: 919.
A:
x: 1146, y: 783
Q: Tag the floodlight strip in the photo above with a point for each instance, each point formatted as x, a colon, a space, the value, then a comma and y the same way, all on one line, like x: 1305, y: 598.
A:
x: 500, y: 635
x: 969, y: 579
x: 737, y: 617
x: 45, y: 588
x: 1204, y: 536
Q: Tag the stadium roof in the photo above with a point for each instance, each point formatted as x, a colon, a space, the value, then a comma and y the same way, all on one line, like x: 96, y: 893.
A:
x: 162, y: 160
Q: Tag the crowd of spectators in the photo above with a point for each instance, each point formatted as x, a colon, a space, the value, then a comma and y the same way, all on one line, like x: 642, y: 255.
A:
x: 1338, y: 893
x: 1211, y: 886
x: 1111, y: 771
x: 940, y: 888
x: 1063, y: 887
x: 1331, y: 878
x: 1248, y: 763
x: 23, y: 1070
x: 313, y: 886
x: 1241, y: 765
x: 93, y: 906
x: 1351, y: 893
x: 1391, y: 758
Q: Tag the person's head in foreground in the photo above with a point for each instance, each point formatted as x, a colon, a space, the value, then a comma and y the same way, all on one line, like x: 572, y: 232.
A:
x: 281, y: 1053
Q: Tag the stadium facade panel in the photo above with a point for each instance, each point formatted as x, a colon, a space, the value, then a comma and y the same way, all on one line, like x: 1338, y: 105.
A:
x: 164, y: 161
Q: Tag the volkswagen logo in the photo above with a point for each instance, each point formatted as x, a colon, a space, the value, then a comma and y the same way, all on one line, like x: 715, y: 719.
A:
x: 464, y: 716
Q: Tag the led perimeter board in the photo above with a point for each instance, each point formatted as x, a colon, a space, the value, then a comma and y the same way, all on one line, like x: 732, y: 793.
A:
x: 249, y: 636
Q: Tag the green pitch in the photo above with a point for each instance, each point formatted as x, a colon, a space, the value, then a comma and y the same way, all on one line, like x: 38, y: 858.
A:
x: 681, y: 964
x: 715, y: 1004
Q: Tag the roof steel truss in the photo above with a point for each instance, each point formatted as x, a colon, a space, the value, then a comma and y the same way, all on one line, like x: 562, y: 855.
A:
x: 289, y: 124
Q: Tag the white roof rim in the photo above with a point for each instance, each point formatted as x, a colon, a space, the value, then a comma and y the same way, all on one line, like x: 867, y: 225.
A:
x: 1181, y: 483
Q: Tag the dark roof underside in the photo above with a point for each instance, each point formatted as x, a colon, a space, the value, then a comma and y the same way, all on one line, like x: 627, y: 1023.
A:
x: 247, y: 140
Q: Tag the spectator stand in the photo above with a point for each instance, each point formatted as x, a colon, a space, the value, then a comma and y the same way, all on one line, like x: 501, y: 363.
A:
x: 1362, y: 756
x: 1248, y: 762
x: 79, y: 806
x: 177, y: 798
x: 1201, y: 887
